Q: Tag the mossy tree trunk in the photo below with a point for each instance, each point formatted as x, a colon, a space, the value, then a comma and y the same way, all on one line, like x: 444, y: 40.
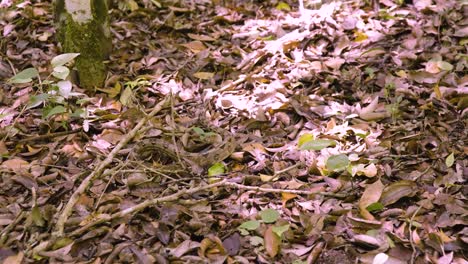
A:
x: 83, y: 27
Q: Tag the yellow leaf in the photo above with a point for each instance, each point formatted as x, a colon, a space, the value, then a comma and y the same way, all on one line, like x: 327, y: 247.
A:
x: 195, y: 46
x: 132, y: 5
x: 211, y: 247
x: 200, y: 37
x: 359, y: 36
x: 444, y: 237
x: 283, y: 6
x: 437, y: 92
x: 112, y: 92
x: 285, y: 197
x: 402, y: 74
x: 267, y: 178
x: 204, y: 75
x: 304, y: 139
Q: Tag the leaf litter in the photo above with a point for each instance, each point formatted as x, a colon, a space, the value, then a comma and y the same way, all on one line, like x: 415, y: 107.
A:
x: 292, y: 132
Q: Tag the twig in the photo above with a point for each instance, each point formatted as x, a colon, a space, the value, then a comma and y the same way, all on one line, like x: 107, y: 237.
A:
x: 240, y: 80
x: 10, y: 227
x: 177, y: 195
x: 177, y: 152
x: 275, y: 190
x: 112, y: 173
x: 47, y: 136
x: 67, y: 210
x: 276, y: 173
x: 414, y: 253
x: 168, y: 198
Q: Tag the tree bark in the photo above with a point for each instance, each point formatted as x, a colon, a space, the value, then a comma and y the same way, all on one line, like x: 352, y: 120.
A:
x: 83, y: 27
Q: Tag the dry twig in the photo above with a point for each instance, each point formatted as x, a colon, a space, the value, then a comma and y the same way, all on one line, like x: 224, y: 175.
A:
x: 177, y: 195
x: 58, y: 231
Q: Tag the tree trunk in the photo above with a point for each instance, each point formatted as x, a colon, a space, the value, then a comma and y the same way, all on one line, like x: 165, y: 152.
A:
x: 83, y: 27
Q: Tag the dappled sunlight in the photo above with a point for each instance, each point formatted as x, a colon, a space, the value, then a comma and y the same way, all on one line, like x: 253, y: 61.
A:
x: 236, y: 132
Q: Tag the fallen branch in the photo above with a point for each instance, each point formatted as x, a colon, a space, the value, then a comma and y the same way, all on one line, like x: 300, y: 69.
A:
x: 177, y: 195
x: 48, y: 136
x: 58, y: 231
x: 241, y: 79
x: 4, y: 233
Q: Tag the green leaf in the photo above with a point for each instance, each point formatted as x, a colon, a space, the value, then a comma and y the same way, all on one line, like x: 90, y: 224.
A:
x: 37, y: 100
x: 216, y: 169
x: 36, y: 216
x: 450, y: 160
x: 304, y: 139
x: 337, y: 162
x: 443, y: 65
x: 198, y: 130
x: 374, y: 207
x: 279, y: 230
x: 317, y: 144
x: 24, y: 76
x: 269, y: 215
x: 61, y: 72
x: 370, y: 71
x: 250, y: 225
x: 363, y: 136
x: 59, y: 109
x: 62, y: 242
x: 65, y: 88
x: 79, y: 112
x: 63, y: 59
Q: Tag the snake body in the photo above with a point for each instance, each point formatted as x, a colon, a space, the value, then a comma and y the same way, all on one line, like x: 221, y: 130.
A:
x: 167, y: 150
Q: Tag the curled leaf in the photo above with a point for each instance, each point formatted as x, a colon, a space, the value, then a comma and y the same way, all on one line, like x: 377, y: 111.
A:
x: 63, y: 59
x: 398, y: 190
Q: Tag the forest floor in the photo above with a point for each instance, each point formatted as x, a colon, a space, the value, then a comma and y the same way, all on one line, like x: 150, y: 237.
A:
x: 239, y: 132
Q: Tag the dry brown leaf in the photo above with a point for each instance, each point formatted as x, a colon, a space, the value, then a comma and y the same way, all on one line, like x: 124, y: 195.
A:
x: 371, y: 195
x: 195, y: 46
x: 15, y: 164
x: 272, y: 242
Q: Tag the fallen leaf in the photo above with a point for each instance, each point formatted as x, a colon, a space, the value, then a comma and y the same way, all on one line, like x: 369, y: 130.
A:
x: 15, y: 164
x: 195, y: 46
x: 204, y: 75
x: 269, y: 215
x: 371, y: 195
x: 398, y: 190
x: 272, y: 242
x: 285, y: 197
x: 200, y: 37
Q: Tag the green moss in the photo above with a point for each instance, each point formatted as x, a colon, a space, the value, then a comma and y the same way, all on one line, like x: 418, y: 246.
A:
x: 90, y: 39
